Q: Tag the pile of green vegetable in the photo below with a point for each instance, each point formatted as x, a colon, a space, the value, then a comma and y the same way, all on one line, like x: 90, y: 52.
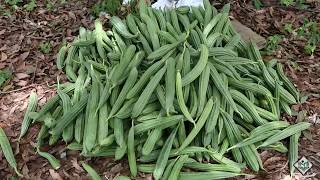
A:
x: 170, y: 90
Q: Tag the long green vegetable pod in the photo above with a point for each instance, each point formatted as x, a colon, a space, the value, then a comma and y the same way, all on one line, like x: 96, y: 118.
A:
x: 293, y: 129
x: 131, y: 152
x: 200, y: 123
x: 195, y: 72
x: 180, y: 99
x: 70, y: 116
x: 52, y: 103
x: 293, y: 151
x: 103, y: 123
x: 7, y: 151
x: 52, y: 160
x: 287, y: 82
x: 91, y: 126
x: 170, y: 85
x: 177, y: 167
x: 164, y: 155
x: 147, y: 92
x: 94, y: 175
x: 32, y: 105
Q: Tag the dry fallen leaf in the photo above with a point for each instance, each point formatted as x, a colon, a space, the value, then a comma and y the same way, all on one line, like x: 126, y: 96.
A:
x: 272, y: 160
x: 23, y: 56
x: 313, y: 119
x: 55, y: 175
x: 76, y: 165
x: 22, y: 83
x: 4, y: 56
x: 116, y: 168
x: 2, y: 31
x: 25, y: 171
x: 4, y: 48
x: 15, y: 48
x: 66, y: 174
x: 72, y: 15
x: 22, y: 75
x: 21, y: 97
x: 13, y: 109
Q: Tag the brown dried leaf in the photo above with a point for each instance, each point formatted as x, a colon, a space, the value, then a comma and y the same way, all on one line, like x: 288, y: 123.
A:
x: 272, y: 160
x: 5, y: 47
x: 2, y: 65
x: 55, y: 175
x: 313, y: 118
x: 72, y: 15
x: 30, y: 69
x: 21, y: 97
x: 117, y: 168
x: 2, y: 31
x: 22, y: 83
x: 22, y: 75
x: 23, y: 56
x: 21, y: 37
x: 4, y: 56
x: 301, y: 115
x: 15, y: 48
x: 13, y: 109
x: 66, y: 174
x: 25, y: 171
x: 76, y: 165
x: 264, y: 155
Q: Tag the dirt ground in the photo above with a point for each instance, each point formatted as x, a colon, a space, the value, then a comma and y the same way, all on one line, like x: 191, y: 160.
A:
x: 33, y: 70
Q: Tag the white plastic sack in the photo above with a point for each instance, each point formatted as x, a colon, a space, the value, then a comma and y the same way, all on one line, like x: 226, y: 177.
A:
x: 160, y: 4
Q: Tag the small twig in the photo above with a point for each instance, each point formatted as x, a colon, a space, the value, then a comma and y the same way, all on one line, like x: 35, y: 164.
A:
x: 20, y: 89
x: 57, y: 36
x: 37, y: 38
x: 34, y: 73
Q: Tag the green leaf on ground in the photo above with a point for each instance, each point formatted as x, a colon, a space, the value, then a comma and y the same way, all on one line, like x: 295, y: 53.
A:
x: 5, y: 75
